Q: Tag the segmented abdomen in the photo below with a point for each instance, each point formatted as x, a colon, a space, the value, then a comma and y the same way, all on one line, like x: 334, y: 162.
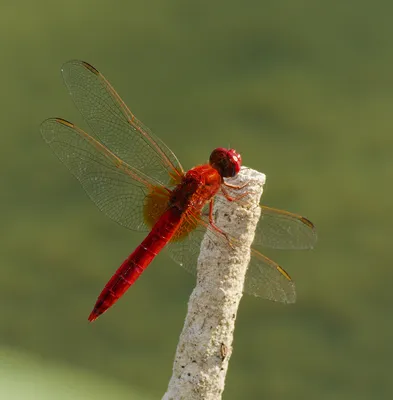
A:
x: 138, y: 261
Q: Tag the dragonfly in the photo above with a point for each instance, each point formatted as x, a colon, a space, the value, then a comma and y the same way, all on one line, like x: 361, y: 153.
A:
x: 137, y: 181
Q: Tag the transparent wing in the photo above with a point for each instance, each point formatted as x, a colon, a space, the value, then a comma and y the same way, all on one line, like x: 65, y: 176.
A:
x: 116, y: 127
x: 283, y: 230
x: 185, y: 252
x: 185, y: 246
x: 268, y: 280
x: 118, y: 189
x: 264, y: 278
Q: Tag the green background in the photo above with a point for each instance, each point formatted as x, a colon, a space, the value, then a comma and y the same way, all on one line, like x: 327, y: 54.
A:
x: 303, y: 89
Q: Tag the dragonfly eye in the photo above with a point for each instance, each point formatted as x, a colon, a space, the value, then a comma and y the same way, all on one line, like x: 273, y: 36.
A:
x: 226, y: 161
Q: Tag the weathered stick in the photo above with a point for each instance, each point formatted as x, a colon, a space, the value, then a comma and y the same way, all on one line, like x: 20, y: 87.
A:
x: 205, y: 344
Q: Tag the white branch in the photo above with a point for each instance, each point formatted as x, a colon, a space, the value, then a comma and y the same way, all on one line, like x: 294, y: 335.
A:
x: 205, y: 344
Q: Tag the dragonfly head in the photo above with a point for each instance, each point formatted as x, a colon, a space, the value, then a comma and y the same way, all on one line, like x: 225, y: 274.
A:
x: 226, y: 161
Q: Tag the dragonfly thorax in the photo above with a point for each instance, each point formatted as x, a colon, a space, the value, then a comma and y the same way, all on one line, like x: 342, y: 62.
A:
x: 197, y: 187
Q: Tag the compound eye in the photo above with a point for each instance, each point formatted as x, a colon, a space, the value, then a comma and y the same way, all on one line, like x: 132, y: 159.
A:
x: 236, y: 160
x: 226, y: 162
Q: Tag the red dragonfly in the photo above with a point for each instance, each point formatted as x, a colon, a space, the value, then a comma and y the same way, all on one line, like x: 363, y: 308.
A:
x: 136, y: 180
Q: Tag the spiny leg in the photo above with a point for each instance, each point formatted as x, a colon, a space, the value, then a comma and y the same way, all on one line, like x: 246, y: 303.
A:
x: 235, y: 187
x: 214, y: 226
x: 231, y: 198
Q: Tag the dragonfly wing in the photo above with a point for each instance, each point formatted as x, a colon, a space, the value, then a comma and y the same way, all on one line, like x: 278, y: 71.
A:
x: 116, y: 127
x: 268, y: 280
x: 264, y: 277
x: 279, y: 229
x: 118, y: 189
x: 185, y: 246
x: 185, y: 252
x: 283, y: 230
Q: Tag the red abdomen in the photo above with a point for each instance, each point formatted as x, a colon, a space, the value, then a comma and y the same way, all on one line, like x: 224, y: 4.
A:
x: 138, y: 261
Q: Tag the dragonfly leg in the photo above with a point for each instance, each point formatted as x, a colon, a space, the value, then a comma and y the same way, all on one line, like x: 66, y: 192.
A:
x: 231, y: 198
x: 235, y: 187
x: 214, y: 226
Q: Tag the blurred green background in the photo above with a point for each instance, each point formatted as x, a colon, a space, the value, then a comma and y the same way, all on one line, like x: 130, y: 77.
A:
x: 304, y: 90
